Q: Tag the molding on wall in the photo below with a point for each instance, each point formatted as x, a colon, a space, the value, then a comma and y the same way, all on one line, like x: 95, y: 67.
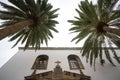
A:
x: 61, y: 48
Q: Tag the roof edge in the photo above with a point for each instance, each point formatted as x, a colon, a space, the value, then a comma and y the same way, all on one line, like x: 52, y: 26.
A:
x: 61, y: 48
x: 53, y: 48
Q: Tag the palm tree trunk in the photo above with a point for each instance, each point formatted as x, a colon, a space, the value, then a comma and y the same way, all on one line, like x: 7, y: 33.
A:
x: 112, y: 30
x: 9, y: 30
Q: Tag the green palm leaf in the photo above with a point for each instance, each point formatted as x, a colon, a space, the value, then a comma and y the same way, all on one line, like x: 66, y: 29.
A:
x: 34, y: 33
x: 90, y: 25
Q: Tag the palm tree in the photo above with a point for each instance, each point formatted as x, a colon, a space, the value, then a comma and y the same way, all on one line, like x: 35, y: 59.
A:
x: 28, y: 21
x: 99, y: 26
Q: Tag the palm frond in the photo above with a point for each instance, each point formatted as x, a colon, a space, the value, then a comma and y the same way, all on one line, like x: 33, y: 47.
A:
x: 108, y: 56
x: 90, y: 24
x: 37, y: 32
x: 18, y: 3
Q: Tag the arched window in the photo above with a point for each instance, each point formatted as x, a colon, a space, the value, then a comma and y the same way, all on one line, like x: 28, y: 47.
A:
x: 40, y: 62
x: 75, y: 62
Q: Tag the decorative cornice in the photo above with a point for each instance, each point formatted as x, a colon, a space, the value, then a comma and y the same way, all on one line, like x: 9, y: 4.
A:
x: 53, y: 48
x: 61, y: 48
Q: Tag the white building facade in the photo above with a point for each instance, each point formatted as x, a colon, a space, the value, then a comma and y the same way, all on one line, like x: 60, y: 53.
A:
x: 23, y: 62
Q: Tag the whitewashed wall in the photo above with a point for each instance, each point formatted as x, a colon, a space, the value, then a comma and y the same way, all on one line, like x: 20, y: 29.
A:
x: 20, y: 65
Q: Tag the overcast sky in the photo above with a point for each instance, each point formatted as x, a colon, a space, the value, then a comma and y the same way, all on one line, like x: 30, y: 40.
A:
x: 61, y: 39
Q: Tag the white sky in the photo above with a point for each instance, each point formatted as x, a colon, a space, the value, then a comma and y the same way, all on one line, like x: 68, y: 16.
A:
x: 61, y: 39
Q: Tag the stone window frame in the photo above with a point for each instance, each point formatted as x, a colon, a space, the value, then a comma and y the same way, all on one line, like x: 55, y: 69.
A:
x: 42, y: 58
x: 79, y: 62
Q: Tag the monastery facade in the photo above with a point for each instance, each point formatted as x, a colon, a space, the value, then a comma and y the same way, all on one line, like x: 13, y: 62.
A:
x: 55, y: 63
